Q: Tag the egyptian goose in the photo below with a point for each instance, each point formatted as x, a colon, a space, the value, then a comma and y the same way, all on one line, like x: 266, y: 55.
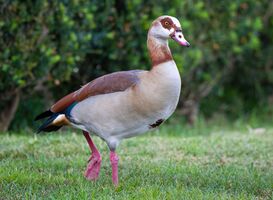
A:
x: 126, y: 103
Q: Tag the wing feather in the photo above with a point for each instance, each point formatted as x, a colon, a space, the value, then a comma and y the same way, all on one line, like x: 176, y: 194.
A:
x: 115, y: 82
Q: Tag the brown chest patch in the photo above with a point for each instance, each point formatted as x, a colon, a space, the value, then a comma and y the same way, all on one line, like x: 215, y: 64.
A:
x: 156, y: 124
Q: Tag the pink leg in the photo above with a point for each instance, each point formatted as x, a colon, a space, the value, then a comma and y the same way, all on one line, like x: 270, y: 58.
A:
x: 114, y: 163
x: 93, y: 167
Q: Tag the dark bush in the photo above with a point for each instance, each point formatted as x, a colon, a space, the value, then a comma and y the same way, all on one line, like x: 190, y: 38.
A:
x: 49, y: 48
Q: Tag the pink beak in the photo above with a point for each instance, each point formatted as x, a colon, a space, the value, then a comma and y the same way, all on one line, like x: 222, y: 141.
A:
x: 178, y: 36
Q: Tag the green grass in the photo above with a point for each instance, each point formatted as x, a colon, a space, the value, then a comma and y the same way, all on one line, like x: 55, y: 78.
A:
x: 216, y: 162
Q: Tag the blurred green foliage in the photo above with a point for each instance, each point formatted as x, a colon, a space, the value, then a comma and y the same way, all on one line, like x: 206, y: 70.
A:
x: 49, y: 48
x: 41, y: 38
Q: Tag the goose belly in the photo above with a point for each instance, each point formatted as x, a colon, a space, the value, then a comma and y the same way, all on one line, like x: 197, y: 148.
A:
x: 118, y: 115
x: 108, y: 115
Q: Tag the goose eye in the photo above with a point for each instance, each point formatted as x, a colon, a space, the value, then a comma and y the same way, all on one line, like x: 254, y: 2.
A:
x: 166, y: 23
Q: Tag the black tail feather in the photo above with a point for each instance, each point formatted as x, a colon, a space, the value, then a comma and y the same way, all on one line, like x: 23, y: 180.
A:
x: 47, y: 127
x: 45, y: 114
x: 50, y: 128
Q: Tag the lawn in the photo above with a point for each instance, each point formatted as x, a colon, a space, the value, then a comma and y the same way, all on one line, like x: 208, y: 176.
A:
x: 173, y: 162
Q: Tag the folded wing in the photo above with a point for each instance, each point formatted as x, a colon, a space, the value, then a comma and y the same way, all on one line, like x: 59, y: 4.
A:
x: 110, y: 83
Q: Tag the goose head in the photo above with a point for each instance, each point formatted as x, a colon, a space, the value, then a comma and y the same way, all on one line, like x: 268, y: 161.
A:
x: 166, y: 27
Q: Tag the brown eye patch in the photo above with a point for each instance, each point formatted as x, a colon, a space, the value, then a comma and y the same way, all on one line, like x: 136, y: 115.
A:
x: 166, y: 23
